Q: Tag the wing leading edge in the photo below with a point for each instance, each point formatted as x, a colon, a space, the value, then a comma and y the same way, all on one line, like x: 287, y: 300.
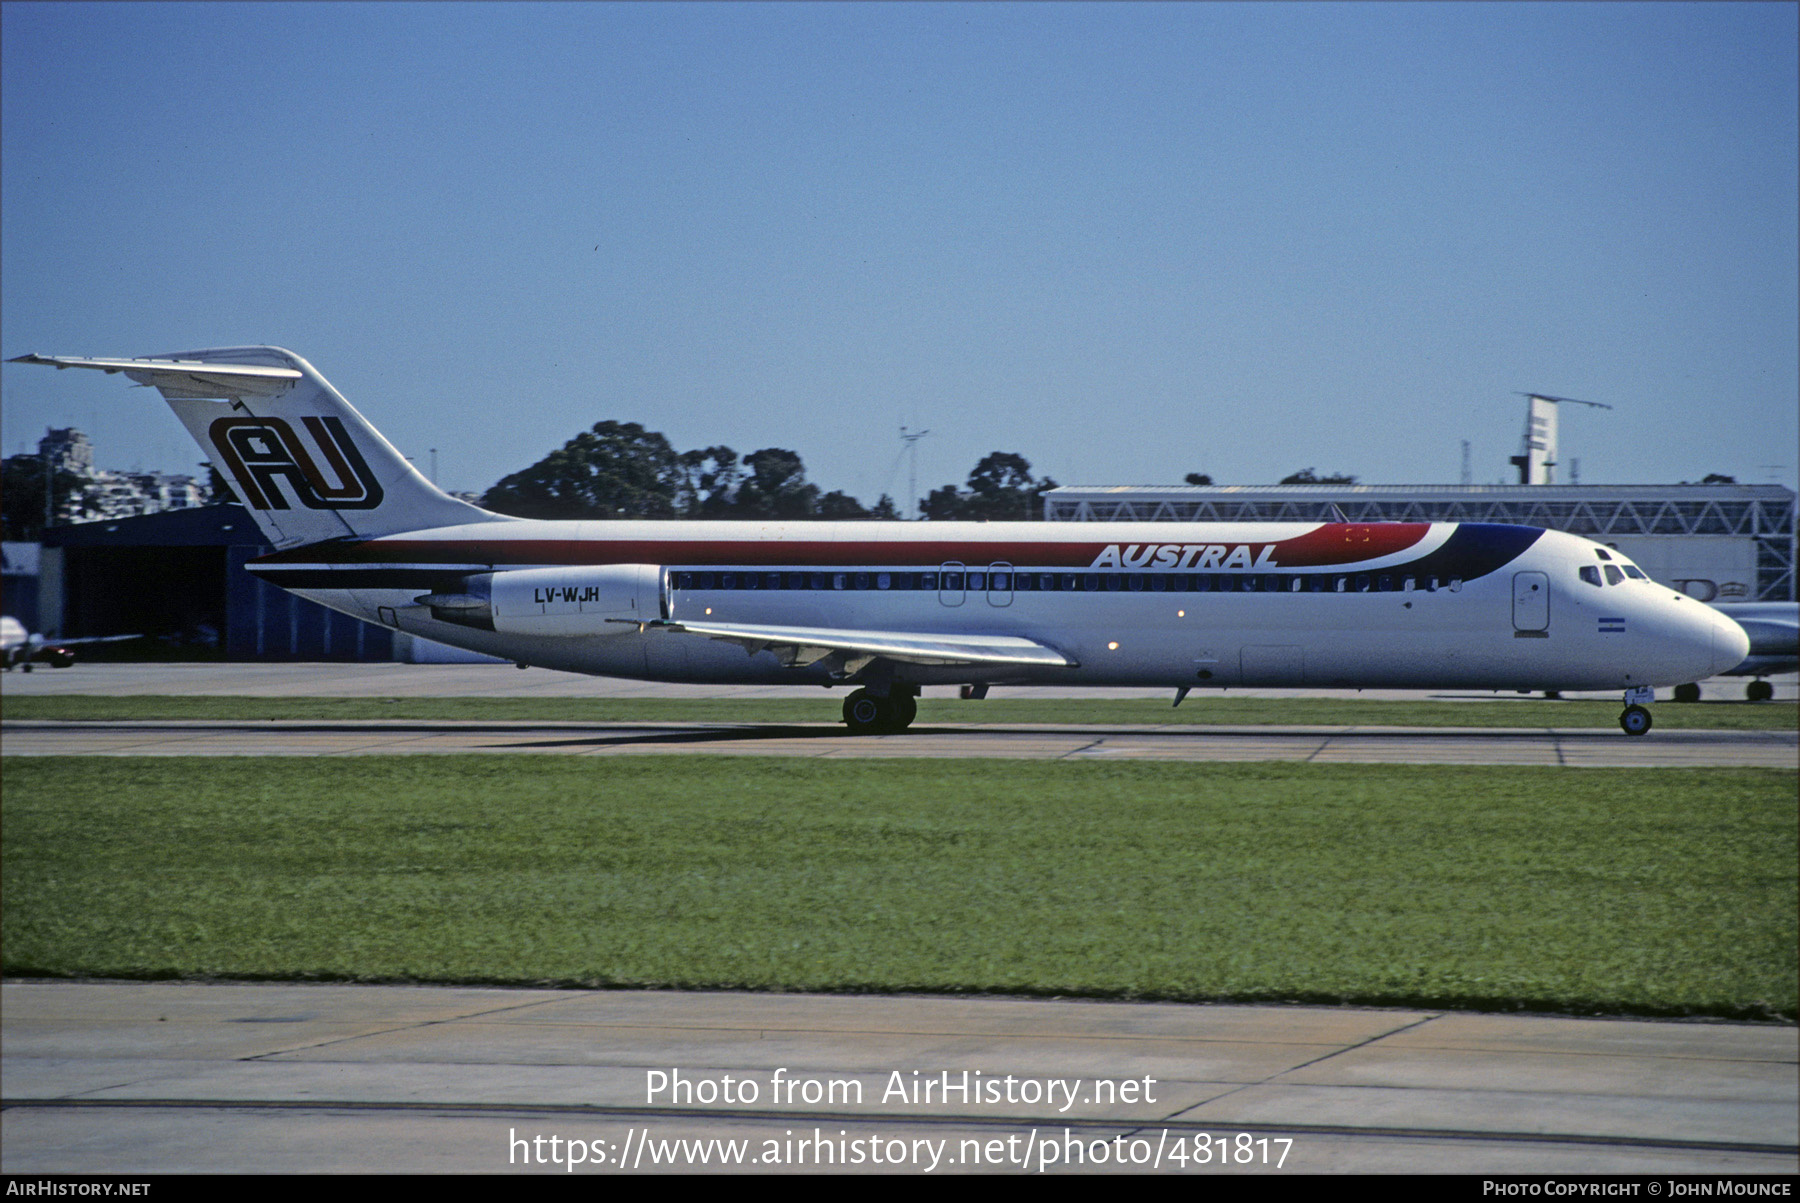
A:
x: 801, y: 646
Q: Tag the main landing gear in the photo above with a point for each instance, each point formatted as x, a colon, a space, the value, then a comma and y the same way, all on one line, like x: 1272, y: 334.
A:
x: 866, y: 714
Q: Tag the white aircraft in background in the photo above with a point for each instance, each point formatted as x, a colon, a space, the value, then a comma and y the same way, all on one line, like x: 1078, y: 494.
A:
x: 1774, y: 631
x: 888, y: 607
x: 21, y: 649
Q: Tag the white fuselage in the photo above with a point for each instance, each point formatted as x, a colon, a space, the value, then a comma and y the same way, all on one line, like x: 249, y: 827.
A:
x: 1447, y: 606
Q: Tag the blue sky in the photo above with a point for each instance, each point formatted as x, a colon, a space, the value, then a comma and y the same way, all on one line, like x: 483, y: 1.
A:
x: 1126, y: 241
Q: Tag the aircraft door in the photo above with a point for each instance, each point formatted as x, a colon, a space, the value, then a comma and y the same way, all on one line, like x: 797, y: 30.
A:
x: 953, y: 578
x: 1000, y: 583
x: 1531, y: 601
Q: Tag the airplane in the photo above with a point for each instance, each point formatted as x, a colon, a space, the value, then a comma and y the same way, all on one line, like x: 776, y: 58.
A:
x: 886, y: 608
x: 22, y: 649
x: 1774, y: 631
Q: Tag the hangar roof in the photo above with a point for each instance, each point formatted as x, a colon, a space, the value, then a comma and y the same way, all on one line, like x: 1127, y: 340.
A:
x: 205, y: 526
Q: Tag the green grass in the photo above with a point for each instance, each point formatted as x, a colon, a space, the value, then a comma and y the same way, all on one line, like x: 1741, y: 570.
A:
x: 1651, y: 892
x: 817, y: 706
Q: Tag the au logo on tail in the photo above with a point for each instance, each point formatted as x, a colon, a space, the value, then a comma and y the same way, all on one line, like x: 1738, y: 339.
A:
x: 257, y: 451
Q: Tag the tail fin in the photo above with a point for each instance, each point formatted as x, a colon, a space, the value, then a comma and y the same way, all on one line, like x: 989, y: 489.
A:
x: 303, y: 461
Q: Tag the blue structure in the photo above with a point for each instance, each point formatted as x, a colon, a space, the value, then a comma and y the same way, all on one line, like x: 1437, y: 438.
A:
x: 20, y: 564
x: 179, y: 576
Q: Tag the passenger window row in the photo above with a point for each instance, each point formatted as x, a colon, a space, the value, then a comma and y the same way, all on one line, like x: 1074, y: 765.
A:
x: 1070, y: 582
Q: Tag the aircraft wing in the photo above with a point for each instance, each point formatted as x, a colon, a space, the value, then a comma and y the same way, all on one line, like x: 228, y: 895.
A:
x: 187, y: 378
x: 800, y: 646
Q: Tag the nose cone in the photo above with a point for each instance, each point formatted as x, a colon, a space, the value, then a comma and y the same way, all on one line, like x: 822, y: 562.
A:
x: 1730, y: 644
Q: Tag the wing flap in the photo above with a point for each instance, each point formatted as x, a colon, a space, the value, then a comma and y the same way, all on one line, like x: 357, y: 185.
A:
x: 804, y: 645
x: 184, y: 378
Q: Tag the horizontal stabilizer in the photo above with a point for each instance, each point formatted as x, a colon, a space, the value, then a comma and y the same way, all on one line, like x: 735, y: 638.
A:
x: 184, y: 378
x: 804, y: 645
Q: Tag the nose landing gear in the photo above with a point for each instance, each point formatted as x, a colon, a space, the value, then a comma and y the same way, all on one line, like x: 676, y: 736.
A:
x: 1636, y: 719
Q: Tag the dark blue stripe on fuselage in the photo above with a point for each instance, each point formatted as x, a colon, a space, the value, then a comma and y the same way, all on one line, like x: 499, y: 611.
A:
x: 1473, y: 550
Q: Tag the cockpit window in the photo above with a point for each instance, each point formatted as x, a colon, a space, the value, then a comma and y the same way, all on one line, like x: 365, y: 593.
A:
x: 1613, y: 575
x: 1635, y: 573
x: 1591, y: 574
x: 1602, y: 553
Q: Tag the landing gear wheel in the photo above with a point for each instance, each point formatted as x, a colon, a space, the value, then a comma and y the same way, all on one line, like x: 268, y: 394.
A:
x: 1687, y: 693
x: 1635, y: 720
x: 1759, y: 691
x: 866, y: 714
x: 906, y: 708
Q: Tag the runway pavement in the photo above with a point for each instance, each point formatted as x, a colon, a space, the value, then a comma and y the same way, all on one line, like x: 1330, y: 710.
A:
x: 1319, y: 745
x: 503, y: 680
x: 122, y: 1078
x: 1605, y: 746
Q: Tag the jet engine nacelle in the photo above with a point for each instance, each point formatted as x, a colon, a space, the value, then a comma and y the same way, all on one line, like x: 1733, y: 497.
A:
x: 576, y: 601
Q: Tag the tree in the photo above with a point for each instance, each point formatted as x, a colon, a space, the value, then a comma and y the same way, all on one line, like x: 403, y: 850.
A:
x: 708, y: 482
x: 1198, y: 478
x: 1001, y: 488
x: 943, y: 504
x: 1719, y: 478
x: 621, y: 470
x: 1306, y: 476
x: 776, y: 487
x: 615, y: 470
x: 22, y: 497
x: 838, y: 506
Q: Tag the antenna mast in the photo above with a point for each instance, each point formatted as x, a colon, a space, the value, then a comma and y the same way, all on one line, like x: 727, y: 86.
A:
x: 912, y: 472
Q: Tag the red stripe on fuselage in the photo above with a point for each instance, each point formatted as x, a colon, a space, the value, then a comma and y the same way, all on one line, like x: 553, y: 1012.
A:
x: 1338, y: 543
x: 675, y: 552
x: 1349, y: 543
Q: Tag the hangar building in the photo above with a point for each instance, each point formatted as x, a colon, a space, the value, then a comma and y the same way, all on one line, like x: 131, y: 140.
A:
x: 179, y: 575
x: 1715, y: 542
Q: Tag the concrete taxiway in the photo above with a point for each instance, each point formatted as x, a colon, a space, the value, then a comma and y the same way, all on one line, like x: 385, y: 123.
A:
x: 123, y: 1078
x: 1597, y: 747
x: 497, y: 680
x: 967, y: 737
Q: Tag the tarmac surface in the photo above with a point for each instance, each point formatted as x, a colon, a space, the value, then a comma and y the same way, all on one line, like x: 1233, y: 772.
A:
x: 122, y: 1078
x: 1592, y: 747
x: 1586, y: 747
x: 495, y: 679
